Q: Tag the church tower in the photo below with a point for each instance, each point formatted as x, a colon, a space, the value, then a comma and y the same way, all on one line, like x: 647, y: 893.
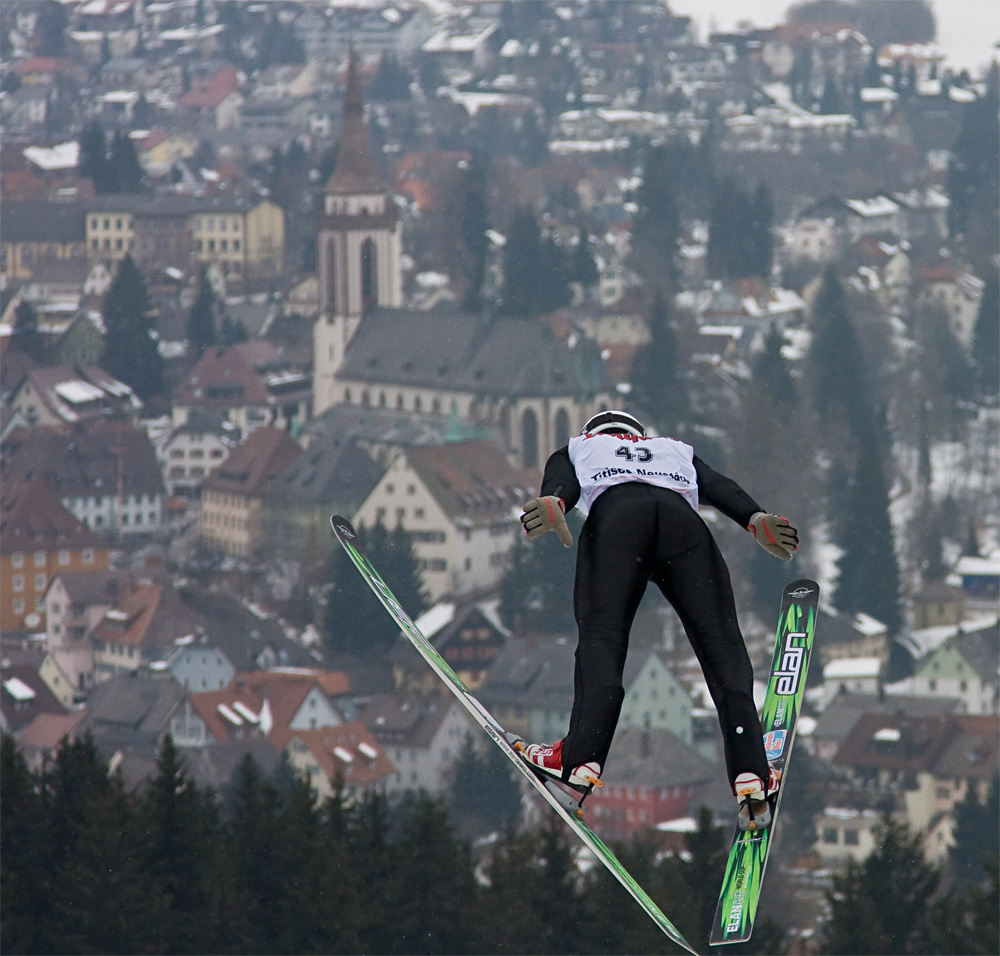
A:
x: 359, y: 244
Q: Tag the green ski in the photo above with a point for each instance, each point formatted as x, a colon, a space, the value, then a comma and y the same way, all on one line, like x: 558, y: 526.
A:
x: 734, y: 916
x: 566, y: 805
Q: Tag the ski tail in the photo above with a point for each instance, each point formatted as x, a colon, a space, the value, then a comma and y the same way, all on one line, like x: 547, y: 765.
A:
x: 744, y: 876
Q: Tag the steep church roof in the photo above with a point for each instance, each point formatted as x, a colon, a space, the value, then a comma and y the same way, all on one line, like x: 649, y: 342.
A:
x: 456, y: 352
x: 355, y: 172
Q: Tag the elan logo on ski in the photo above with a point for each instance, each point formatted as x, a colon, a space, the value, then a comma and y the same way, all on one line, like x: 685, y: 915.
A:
x: 741, y: 885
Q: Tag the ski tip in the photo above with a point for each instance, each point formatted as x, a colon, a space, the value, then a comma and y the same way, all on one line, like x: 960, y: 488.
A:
x: 801, y: 588
x: 342, y: 528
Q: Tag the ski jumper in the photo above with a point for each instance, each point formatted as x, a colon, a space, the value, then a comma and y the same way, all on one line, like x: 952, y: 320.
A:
x: 640, y: 496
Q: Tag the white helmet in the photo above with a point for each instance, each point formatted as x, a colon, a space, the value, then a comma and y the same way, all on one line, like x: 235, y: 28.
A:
x: 614, y: 421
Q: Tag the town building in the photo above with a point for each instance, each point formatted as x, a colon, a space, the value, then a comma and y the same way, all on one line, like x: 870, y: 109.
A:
x: 460, y: 501
x: 232, y: 497
x: 368, y: 351
x: 252, y: 383
x: 39, y: 538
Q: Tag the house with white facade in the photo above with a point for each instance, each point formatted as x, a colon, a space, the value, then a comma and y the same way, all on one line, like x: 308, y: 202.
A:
x: 461, y: 502
x: 421, y: 736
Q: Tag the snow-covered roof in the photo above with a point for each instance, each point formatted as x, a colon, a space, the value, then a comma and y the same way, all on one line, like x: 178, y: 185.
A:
x: 879, y: 206
x: 48, y: 158
x: 430, y: 622
x: 969, y: 566
x: 852, y: 667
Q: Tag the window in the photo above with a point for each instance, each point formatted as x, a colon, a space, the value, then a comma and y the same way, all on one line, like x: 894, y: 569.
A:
x: 39, y: 582
x: 88, y: 556
x: 64, y: 556
x: 529, y: 439
x: 851, y: 837
x: 39, y: 559
x: 17, y: 559
x: 830, y: 835
x: 17, y: 582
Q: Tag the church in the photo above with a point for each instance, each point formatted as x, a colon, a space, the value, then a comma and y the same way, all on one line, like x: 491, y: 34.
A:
x: 513, y: 376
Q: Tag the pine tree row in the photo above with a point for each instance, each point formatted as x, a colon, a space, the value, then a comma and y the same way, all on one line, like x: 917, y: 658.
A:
x: 91, y: 867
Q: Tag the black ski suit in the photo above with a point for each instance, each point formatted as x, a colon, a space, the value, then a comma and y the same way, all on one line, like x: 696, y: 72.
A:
x: 636, y: 533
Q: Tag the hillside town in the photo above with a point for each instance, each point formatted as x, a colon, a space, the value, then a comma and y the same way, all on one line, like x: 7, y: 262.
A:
x: 267, y: 262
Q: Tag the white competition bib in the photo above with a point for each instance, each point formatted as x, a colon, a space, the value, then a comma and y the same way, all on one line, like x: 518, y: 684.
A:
x: 614, y: 459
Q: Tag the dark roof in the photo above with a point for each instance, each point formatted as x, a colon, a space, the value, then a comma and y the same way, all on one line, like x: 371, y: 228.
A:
x: 655, y: 758
x: 128, y: 708
x: 265, y: 454
x: 895, y: 743
x: 844, y: 711
x: 36, y: 221
x: 20, y: 711
x: 151, y: 617
x: 354, y: 171
x: 982, y: 650
x: 88, y: 588
x: 214, y: 764
x: 532, y: 674
x: 32, y: 517
x: 405, y: 720
x: 472, y: 479
x: 83, y: 461
x: 333, y: 470
x: 504, y: 356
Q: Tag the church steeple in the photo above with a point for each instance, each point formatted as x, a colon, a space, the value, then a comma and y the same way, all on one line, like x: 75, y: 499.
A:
x: 359, y: 245
x: 354, y: 172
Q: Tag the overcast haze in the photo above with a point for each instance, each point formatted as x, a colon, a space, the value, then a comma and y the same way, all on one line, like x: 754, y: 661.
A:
x: 967, y: 29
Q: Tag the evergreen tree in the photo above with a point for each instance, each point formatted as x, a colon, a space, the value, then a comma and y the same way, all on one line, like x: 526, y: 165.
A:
x: 391, y: 82
x: 475, y: 222
x: 974, y: 169
x: 180, y: 830
x: 92, y: 158
x: 584, y: 267
x: 124, y: 171
x: 881, y: 906
x: 772, y: 442
x: 740, y: 241
x: 27, y: 853
x: 829, y: 101
x: 976, y: 834
x: 659, y: 386
x: 436, y: 889
x: 99, y: 883
x: 836, y: 364
x: 535, y: 278
x: 473, y: 773
x: 377, y: 871
x: 252, y: 839
x: 657, y: 224
x: 354, y: 621
x: 986, y: 339
x: 201, y: 328
x: 26, y: 337
x: 868, y: 570
x: 536, y: 592
x: 50, y: 28
x: 531, y: 906
x: 760, y: 240
x: 130, y: 349
x: 232, y: 331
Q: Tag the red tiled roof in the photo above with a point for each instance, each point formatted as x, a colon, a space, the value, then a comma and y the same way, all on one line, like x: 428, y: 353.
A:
x: 208, y: 94
x: 265, y: 454
x: 33, y: 518
x: 341, y: 752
